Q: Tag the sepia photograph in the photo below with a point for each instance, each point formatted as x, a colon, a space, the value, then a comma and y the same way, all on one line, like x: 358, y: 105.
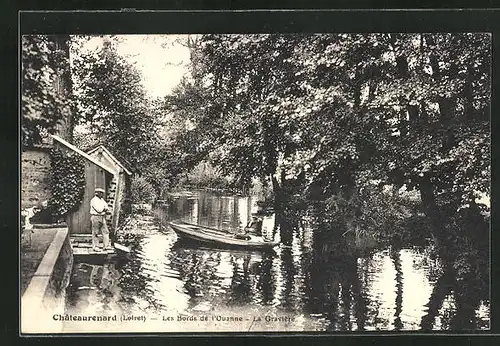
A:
x: 279, y: 182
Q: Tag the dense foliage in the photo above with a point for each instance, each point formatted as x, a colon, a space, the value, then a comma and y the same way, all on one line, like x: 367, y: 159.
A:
x: 115, y: 109
x: 112, y: 100
x: 43, y: 104
x: 67, y: 182
x: 204, y: 175
x: 142, y: 191
x: 315, y: 117
x: 322, y: 116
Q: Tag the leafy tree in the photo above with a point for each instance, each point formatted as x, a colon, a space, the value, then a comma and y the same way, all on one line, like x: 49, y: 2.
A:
x: 330, y: 113
x: 112, y: 101
x: 245, y: 140
x: 142, y: 191
x: 443, y: 146
x: 46, y: 88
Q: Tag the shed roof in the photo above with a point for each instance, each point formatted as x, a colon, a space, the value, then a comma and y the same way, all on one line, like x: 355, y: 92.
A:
x: 81, y: 153
x: 111, y: 156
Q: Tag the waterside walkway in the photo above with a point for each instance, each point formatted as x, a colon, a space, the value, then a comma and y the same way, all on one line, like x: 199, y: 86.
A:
x: 44, y: 295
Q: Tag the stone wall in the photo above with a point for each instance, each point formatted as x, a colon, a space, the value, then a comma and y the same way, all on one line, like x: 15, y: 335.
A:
x: 61, y: 275
x: 35, y: 177
x: 46, y: 292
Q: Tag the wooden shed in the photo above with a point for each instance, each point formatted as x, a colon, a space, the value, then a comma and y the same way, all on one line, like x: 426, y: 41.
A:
x: 97, y: 174
x: 118, y: 194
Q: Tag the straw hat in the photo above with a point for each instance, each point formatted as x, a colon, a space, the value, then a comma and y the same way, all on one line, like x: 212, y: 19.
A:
x: 99, y: 190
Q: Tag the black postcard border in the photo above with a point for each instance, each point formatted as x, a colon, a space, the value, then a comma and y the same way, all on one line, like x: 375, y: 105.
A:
x: 239, y: 21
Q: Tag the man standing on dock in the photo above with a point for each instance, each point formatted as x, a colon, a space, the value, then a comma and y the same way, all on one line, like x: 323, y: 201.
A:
x: 98, y: 209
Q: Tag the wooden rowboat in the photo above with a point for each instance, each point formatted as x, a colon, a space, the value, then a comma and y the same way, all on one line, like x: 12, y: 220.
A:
x: 212, y: 236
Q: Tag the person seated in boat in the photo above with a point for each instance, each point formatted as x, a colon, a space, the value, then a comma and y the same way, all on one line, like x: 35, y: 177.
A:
x: 254, y: 226
x: 241, y: 233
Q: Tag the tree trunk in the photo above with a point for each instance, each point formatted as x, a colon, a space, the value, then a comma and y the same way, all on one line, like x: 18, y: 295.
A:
x: 286, y: 228
x: 403, y: 122
x: 446, y: 109
x: 413, y: 115
x: 63, y: 85
x: 402, y: 66
x: 357, y: 89
x: 424, y: 116
x: 277, y: 193
x: 468, y: 94
x: 429, y: 204
x: 372, y: 91
x: 347, y: 184
x: 446, y: 105
x: 403, y: 72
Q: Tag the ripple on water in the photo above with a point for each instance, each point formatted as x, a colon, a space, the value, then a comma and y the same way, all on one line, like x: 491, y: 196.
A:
x: 170, y: 273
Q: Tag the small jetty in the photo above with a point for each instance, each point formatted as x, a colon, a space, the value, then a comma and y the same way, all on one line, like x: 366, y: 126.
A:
x: 82, y: 247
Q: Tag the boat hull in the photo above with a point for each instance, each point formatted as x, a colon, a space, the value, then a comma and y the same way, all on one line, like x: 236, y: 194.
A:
x: 213, y: 237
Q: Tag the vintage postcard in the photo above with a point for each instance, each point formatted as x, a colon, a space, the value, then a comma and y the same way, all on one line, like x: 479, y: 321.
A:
x: 255, y: 182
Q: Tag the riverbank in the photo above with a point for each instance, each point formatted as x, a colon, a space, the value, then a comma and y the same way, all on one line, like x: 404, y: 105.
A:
x: 140, y: 222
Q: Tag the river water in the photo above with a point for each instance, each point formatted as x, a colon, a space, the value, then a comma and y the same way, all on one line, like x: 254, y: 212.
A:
x: 166, y: 285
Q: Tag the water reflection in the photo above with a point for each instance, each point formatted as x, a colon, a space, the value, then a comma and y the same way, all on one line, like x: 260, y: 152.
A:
x: 314, y: 278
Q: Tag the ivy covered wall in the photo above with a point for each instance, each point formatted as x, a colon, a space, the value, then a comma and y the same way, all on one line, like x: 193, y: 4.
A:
x: 67, y: 181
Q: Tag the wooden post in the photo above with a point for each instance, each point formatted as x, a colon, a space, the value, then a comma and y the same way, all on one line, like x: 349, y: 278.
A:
x: 116, y: 203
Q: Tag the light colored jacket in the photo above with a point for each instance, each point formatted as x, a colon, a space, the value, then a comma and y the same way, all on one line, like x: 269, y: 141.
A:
x: 98, y: 206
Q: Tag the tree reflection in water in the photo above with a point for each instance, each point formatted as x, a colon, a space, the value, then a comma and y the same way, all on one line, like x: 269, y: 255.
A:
x: 289, y: 271
x: 441, y: 289
x: 135, y: 281
x: 241, y: 287
x: 334, y: 287
x: 396, y: 259
x: 265, y: 281
x: 204, y: 270
x: 456, y: 297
